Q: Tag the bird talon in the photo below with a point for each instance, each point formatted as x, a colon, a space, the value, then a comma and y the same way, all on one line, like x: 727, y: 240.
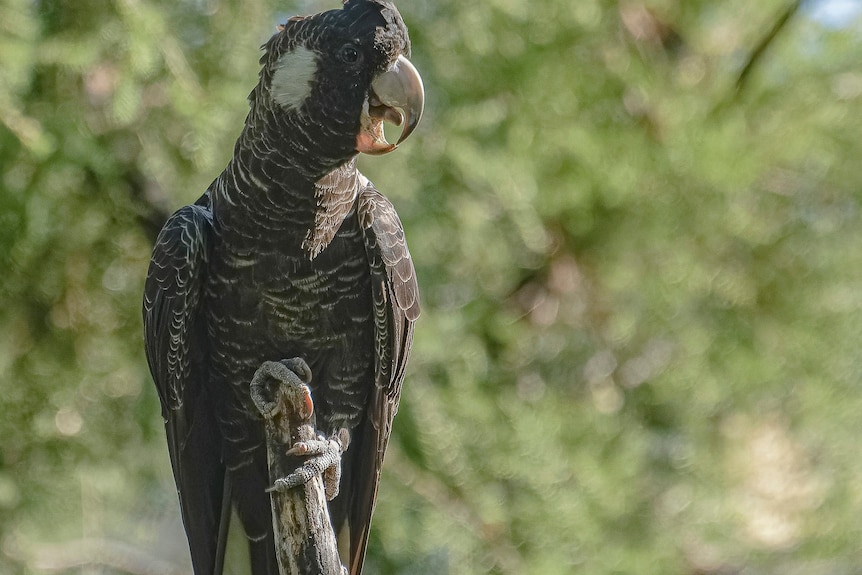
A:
x: 281, y: 484
x: 324, y: 459
x: 298, y: 366
x: 299, y: 448
x: 283, y: 382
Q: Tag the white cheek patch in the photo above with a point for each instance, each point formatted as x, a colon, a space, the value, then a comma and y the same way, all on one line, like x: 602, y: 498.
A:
x: 294, y: 73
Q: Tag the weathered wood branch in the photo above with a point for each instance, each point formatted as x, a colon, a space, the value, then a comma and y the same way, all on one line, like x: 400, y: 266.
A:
x: 305, y: 541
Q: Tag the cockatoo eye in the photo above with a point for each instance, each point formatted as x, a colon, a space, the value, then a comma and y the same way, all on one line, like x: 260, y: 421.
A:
x: 349, y: 54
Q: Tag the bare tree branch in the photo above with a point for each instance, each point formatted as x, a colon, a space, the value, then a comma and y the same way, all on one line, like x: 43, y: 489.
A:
x: 304, y: 538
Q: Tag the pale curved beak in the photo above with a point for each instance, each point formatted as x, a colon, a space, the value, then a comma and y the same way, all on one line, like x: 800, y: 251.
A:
x: 400, y: 87
x: 397, y: 96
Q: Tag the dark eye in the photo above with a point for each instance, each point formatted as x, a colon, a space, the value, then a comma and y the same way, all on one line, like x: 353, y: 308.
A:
x: 349, y: 54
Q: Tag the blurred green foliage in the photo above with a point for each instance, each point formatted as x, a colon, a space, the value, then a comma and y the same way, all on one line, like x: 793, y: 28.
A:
x: 642, y: 281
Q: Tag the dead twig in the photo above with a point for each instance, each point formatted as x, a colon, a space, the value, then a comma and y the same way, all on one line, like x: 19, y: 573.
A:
x: 304, y: 538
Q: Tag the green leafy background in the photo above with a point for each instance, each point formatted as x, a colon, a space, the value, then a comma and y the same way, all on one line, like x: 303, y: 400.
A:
x: 636, y: 225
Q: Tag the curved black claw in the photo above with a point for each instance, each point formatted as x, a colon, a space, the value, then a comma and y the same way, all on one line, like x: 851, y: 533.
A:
x: 298, y: 366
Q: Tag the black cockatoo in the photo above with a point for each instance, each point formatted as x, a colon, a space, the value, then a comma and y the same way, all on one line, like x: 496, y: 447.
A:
x: 291, y: 252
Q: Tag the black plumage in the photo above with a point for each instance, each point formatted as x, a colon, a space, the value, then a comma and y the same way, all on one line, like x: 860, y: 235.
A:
x: 291, y: 252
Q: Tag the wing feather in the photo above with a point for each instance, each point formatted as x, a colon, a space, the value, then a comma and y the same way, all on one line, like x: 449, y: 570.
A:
x: 171, y: 300
x: 175, y: 349
x: 396, y: 308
